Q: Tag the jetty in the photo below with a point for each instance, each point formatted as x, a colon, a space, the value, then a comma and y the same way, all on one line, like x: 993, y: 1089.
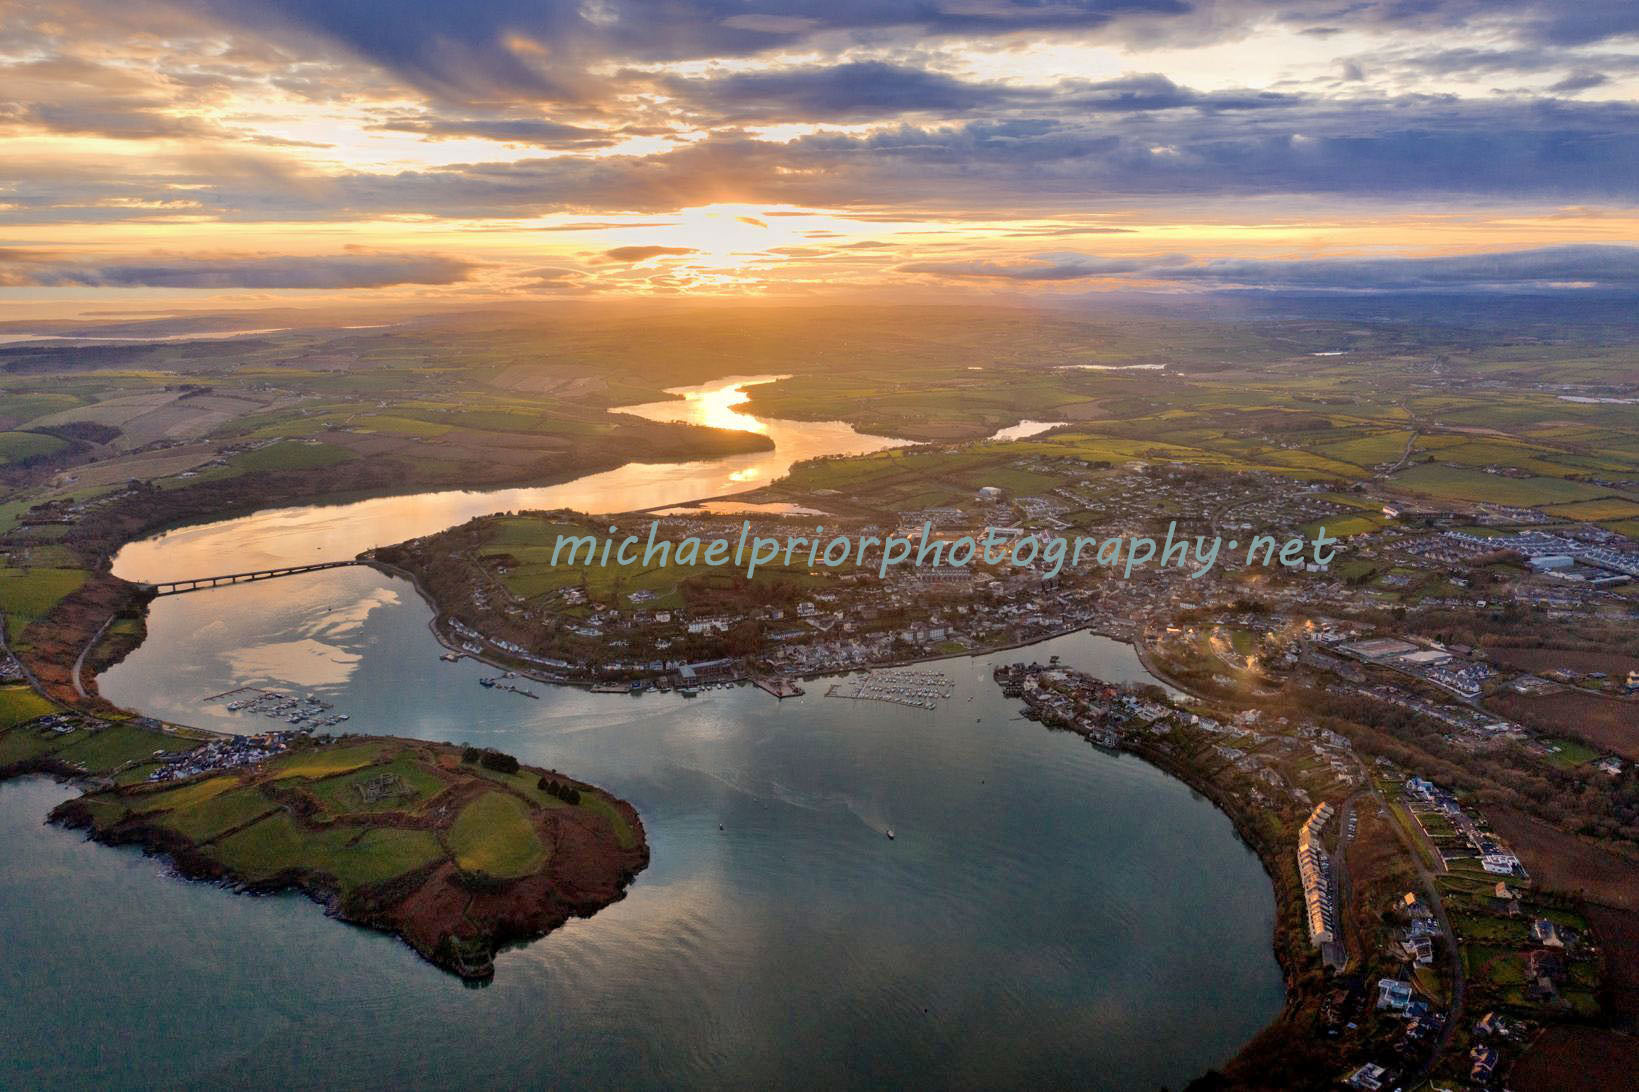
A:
x: 779, y: 687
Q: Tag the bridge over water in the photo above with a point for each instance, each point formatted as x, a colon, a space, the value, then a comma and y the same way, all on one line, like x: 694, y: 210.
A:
x: 201, y: 583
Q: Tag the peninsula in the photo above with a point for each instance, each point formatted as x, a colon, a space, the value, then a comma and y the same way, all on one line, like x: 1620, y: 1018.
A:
x: 459, y: 852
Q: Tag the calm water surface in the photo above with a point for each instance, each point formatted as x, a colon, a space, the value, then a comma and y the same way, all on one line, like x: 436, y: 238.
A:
x: 332, y: 532
x: 1047, y: 914
x: 1025, y: 429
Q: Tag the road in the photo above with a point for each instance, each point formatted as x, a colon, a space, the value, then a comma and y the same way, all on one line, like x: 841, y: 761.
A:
x: 5, y: 649
x: 1340, y: 867
x: 1431, y: 891
x: 79, y: 661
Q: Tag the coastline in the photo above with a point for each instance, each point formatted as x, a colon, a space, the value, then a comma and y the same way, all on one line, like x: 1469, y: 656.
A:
x: 1271, y: 857
x: 1179, y: 772
x: 1125, y: 634
x: 456, y: 918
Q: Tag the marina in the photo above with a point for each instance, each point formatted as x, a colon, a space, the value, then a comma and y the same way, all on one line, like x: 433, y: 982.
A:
x: 304, y: 712
x: 917, y: 689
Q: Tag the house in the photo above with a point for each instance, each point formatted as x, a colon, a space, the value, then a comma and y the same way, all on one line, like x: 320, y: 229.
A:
x: 1546, y: 933
x: 1393, y: 994
x: 1370, y: 1076
x: 1485, y: 1063
x: 1543, y: 964
x: 1419, y: 949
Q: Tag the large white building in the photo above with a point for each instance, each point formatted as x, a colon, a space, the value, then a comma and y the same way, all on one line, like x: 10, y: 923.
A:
x: 1315, y: 871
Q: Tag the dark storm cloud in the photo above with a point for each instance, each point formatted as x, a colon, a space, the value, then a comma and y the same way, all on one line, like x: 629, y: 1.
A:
x: 328, y: 272
x: 1611, y: 269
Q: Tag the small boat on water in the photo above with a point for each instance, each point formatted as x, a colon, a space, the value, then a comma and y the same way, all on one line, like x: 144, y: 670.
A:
x: 890, y: 834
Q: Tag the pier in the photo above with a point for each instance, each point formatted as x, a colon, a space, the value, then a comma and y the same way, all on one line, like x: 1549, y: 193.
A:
x: 779, y: 687
x: 201, y: 583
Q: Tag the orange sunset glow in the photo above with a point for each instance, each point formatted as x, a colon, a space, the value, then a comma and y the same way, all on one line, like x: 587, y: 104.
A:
x: 164, y: 155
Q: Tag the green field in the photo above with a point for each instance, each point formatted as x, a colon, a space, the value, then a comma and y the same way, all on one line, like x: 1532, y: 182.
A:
x: 1341, y: 526
x: 1569, y: 753
x: 292, y: 455
x: 22, y: 744
x: 354, y: 856
x: 19, y: 704
x: 27, y: 594
x: 325, y: 761
x: 344, y: 795
x: 207, y: 818
x: 117, y: 744
x: 1596, y: 511
x: 20, y: 447
x: 495, y: 835
x: 20, y: 408
x: 96, y: 751
x: 1462, y: 483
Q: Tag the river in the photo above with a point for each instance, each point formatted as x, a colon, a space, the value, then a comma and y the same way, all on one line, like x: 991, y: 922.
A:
x: 330, y: 532
x: 1048, y: 913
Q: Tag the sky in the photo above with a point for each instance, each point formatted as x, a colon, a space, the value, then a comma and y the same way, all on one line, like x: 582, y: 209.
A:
x: 182, y: 154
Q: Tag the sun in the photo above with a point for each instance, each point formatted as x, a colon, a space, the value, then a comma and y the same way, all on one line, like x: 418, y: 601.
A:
x: 730, y: 235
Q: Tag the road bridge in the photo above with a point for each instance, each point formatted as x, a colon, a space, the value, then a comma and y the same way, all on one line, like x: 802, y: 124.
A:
x: 202, y: 583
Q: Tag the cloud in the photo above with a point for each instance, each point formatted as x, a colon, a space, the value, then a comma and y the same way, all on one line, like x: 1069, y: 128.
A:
x: 328, y: 272
x: 864, y: 90
x: 531, y: 131
x: 1413, y: 149
x: 843, y: 92
x: 1610, y: 269
x: 545, y: 50
x: 1579, y: 81
x: 561, y: 50
x: 644, y: 253
x: 1067, y: 268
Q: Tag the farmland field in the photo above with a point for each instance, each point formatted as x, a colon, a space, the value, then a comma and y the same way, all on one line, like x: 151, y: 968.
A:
x: 494, y: 835
x: 27, y: 594
x: 19, y: 704
x: 20, y: 447
x: 1461, y: 483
